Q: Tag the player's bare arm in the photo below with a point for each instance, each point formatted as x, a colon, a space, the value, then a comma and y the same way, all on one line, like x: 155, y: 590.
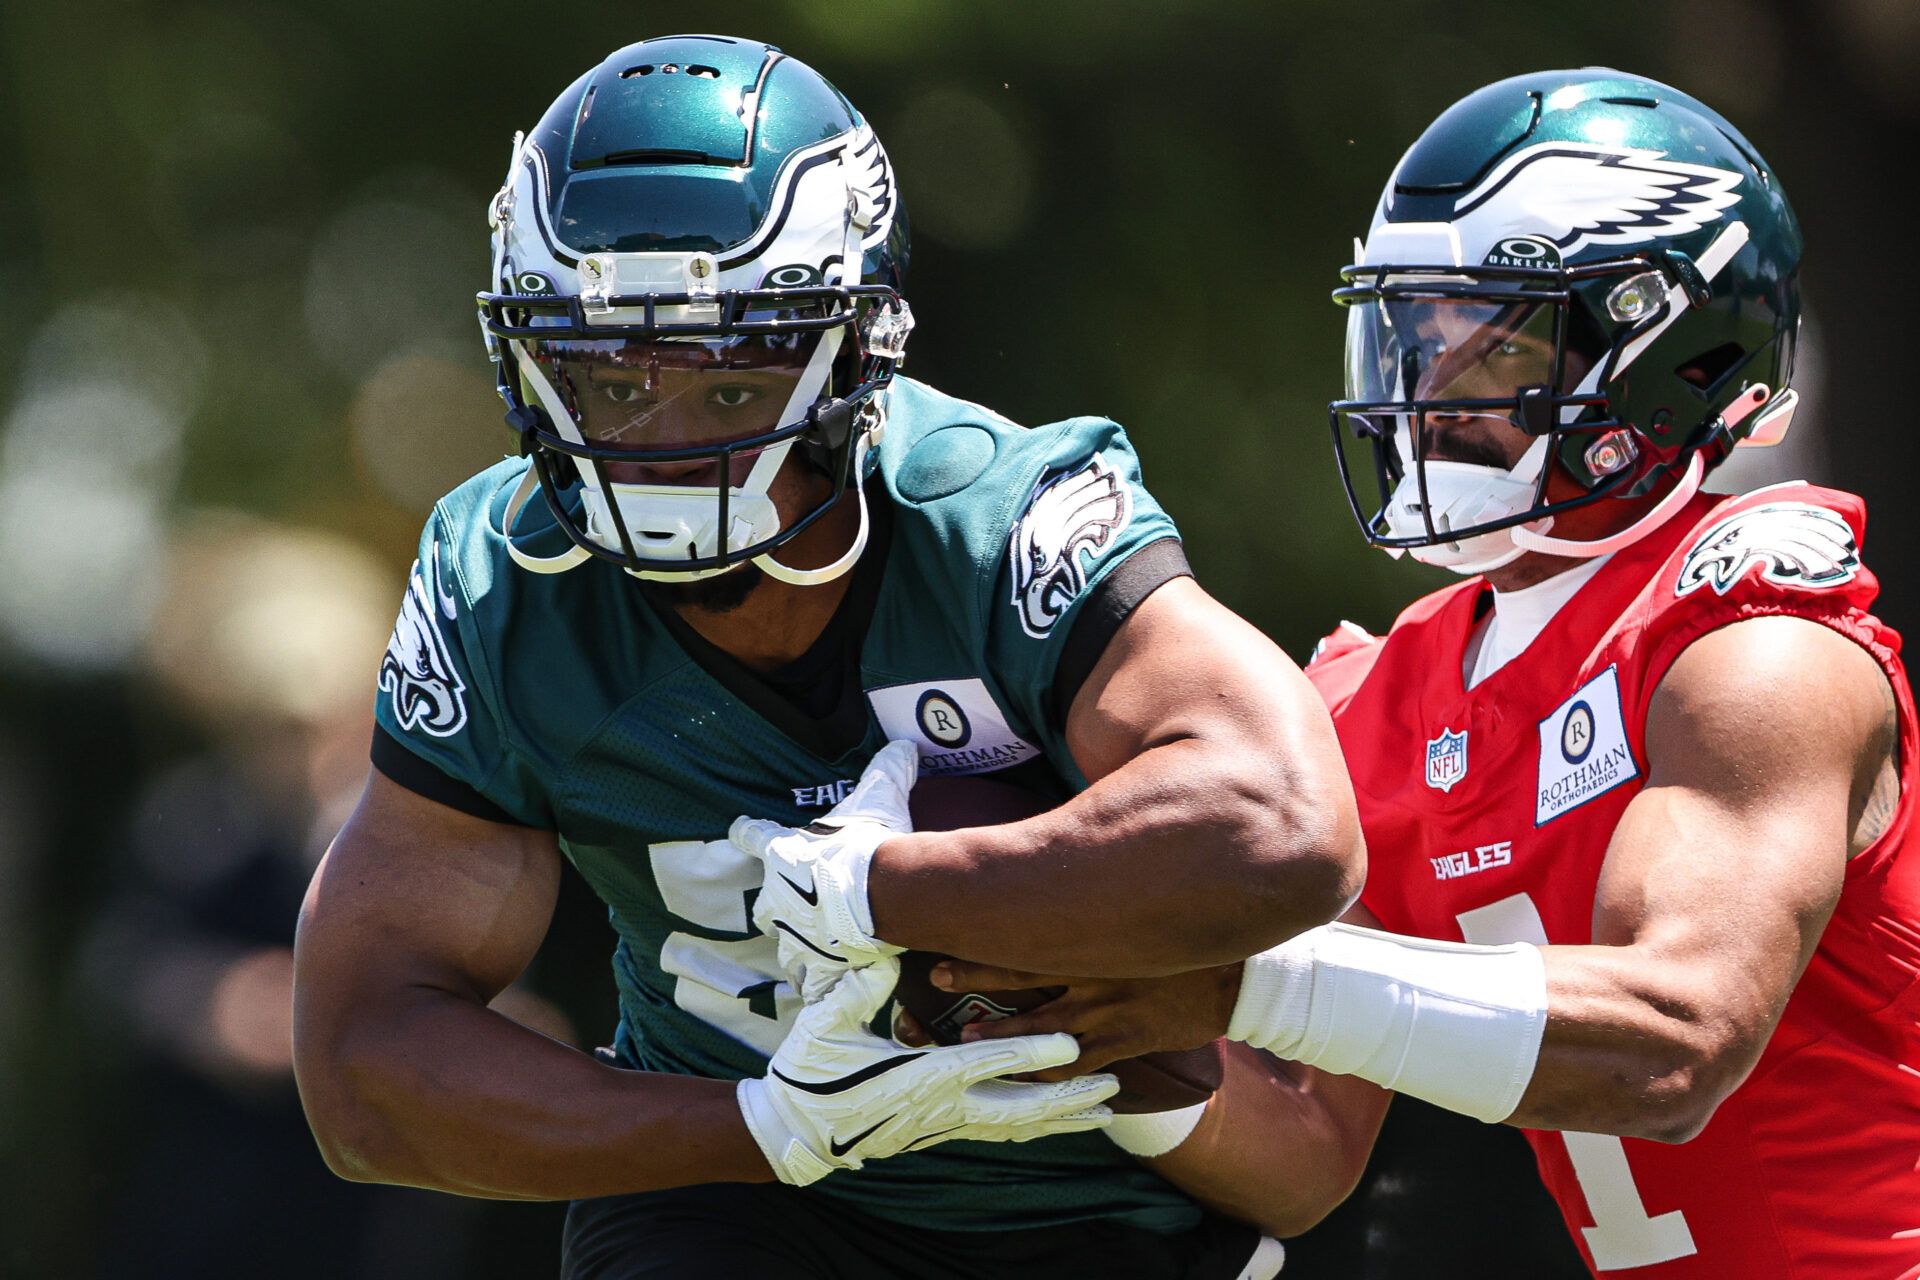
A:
x: 419, y: 916
x: 1771, y: 746
x: 1714, y: 892
x: 1280, y: 1145
x: 1208, y: 752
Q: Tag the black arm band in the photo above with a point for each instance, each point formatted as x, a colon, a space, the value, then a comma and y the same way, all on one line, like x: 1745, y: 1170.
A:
x: 1117, y: 596
x: 422, y: 777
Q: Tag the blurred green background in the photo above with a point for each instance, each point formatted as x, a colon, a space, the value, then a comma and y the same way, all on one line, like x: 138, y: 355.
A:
x: 239, y: 243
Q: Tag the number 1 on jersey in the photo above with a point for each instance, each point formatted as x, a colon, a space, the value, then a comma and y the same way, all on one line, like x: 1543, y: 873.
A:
x: 1623, y: 1235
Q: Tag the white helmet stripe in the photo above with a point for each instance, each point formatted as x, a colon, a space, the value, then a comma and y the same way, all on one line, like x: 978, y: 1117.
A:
x: 1711, y: 263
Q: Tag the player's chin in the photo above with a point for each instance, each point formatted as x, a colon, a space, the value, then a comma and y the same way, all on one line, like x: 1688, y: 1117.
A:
x: 722, y: 593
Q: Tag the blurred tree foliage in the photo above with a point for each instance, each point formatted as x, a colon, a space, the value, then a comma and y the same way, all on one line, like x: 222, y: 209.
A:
x: 1122, y: 207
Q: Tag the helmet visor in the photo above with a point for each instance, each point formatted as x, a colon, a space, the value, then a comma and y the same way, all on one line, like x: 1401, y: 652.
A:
x: 1452, y: 350
x: 679, y: 394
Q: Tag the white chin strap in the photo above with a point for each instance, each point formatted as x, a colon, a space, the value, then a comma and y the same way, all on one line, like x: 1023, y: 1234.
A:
x: 1664, y: 510
x: 828, y: 572
x: 670, y: 522
x: 522, y: 492
x: 1462, y: 494
x: 1748, y: 402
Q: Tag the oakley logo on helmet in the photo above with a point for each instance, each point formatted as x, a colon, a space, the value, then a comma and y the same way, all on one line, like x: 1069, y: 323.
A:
x: 417, y: 672
x: 1070, y: 521
x: 1573, y: 196
x: 1524, y: 251
x: 794, y: 276
x: 1795, y: 544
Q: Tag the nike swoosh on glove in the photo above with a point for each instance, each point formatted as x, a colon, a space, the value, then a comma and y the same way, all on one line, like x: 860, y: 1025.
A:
x: 836, y: 1095
x: 813, y: 896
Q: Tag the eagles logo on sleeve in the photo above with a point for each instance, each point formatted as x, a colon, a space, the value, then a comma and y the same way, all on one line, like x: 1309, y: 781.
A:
x: 1070, y: 520
x: 417, y: 671
x: 1795, y: 544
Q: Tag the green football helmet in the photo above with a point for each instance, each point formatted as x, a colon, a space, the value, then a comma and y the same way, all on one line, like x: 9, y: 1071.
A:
x: 1595, y: 258
x: 697, y: 261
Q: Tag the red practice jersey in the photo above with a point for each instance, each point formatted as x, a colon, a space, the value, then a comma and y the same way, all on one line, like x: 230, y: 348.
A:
x: 1487, y: 816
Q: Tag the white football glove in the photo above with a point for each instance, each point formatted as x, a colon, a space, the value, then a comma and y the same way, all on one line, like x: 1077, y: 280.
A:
x: 813, y: 898
x: 837, y: 1095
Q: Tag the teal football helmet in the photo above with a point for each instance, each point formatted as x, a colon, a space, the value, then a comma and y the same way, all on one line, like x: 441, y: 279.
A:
x: 1597, y: 259
x: 697, y: 261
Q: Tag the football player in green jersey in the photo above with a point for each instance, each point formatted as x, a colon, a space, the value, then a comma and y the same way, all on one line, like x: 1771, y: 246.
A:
x: 736, y: 558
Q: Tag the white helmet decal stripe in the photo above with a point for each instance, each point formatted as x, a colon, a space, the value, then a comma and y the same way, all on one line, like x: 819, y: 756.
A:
x: 1718, y: 254
x: 864, y: 172
x: 536, y: 162
x: 1577, y: 195
x: 870, y: 177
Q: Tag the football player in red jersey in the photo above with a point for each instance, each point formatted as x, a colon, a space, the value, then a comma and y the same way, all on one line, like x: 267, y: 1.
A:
x: 1638, y: 792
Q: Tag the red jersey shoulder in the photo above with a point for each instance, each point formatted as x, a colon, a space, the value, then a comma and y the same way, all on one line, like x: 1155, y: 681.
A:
x: 1787, y: 545
x: 1341, y: 661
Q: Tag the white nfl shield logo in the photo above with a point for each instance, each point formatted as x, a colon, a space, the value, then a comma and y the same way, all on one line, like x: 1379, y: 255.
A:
x: 1447, y: 759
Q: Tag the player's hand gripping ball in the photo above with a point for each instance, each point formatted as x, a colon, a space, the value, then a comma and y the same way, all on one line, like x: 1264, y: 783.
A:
x: 837, y: 1095
x: 813, y: 892
x: 1164, y: 1081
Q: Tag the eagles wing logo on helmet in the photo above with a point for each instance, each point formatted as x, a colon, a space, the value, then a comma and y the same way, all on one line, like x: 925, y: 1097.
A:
x: 870, y: 177
x: 417, y: 672
x: 1070, y: 520
x: 1795, y: 544
x: 1576, y: 196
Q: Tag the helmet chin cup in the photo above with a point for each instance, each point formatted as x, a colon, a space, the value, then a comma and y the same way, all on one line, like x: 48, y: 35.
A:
x: 677, y: 524
x: 1460, y: 495
x: 1481, y: 553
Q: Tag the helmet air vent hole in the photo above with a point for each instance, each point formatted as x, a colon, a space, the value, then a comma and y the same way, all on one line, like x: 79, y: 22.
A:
x: 1707, y: 369
x: 644, y: 69
x: 707, y: 73
x: 1632, y: 102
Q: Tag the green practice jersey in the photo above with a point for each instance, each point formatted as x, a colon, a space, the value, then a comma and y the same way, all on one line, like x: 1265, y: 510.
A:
x: 1002, y: 559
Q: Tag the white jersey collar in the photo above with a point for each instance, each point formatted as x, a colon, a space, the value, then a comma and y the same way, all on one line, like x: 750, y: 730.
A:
x: 1518, y: 617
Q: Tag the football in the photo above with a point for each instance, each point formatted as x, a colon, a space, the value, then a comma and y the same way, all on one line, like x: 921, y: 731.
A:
x: 1151, y: 1082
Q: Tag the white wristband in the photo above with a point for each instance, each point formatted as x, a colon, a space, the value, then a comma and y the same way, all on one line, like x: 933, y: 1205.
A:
x: 1154, y: 1133
x: 1453, y: 1023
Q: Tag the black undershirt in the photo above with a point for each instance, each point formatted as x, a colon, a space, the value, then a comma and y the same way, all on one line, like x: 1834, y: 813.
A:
x: 816, y: 699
